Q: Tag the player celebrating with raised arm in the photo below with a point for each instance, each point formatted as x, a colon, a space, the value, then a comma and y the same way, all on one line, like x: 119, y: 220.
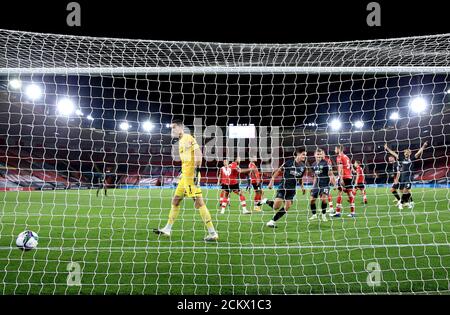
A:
x: 345, y: 173
x: 189, y: 184
x: 393, y: 174
x: 293, y: 171
x: 323, y: 177
x: 406, y: 173
x: 360, y: 181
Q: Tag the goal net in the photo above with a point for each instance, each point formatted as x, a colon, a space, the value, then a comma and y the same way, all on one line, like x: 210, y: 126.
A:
x: 90, y: 161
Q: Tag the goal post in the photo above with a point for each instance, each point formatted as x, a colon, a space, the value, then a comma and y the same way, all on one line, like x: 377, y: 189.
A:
x: 228, y: 70
x: 90, y: 162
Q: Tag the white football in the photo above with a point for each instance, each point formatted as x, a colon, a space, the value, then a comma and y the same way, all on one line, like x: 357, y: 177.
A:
x: 27, y: 240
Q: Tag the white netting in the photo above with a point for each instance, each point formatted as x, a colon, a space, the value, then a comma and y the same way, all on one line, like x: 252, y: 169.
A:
x: 80, y: 113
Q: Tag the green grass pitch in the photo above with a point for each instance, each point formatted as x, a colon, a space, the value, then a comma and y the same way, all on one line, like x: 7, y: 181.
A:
x: 112, y: 240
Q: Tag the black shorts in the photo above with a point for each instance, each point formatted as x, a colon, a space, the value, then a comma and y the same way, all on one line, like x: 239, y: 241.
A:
x: 286, y: 194
x: 395, y: 186
x: 360, y: 186
x: 405, y: 185
x: 347, y: 184
x: 234, y: 187
x: 316, y: 191
x: 257, y: 187
x: 226, y: 187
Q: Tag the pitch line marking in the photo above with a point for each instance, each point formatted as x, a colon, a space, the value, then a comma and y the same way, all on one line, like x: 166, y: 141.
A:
x: 218, y: 247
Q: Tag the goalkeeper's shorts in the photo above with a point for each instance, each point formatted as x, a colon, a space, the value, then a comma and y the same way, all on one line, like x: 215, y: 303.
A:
x: 187, y: 188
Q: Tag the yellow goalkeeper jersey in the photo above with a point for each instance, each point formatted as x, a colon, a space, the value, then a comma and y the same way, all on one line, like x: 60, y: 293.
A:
x: 187, y: 146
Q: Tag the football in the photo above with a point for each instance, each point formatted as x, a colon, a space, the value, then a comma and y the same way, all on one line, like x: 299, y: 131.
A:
x: 27, y: 240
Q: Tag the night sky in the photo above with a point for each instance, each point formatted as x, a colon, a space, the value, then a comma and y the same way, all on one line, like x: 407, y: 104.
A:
x: 230, y: 21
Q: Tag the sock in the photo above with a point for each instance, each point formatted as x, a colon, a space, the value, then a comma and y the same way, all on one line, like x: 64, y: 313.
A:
x: 206, y: 216
x: 324, y: 207
x: 224, y: 203
x: 313, y: 207
x: 352, y: 201
x: 222, y: 194
x: 279, y: 214
x: 338, y: 203
x: 270, y: 203
x: 364, y: 195
x: 243, y: 204
x: 396, y: 195
x: 408, y: 197
x: 257, y: 197
x: 405, y: 198
x: 330, y: 201
x: 174, y: 211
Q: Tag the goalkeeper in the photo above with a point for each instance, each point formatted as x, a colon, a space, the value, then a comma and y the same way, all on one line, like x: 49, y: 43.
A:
x: 189, y: 184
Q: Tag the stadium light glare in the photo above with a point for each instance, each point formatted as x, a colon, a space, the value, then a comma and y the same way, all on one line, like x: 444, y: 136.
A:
x: 124, y: 126
x: 147, y: 125
x: 448, y: 91
x: 33, y: 91
x: 394, y: 116
x: 335, y: 124
x: 359, y: 124
x: 15, y: 84
x: 167, y: 125
x: 89, y: 117
x: 79, y: 112
x: 65, y: 107
x: 418, y: 104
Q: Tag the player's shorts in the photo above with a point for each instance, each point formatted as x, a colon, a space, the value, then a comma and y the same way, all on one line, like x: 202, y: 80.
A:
x: 319, y: 191
x: 395, y: 186
x: 187, y: 188
x: 405, y: 185
x: 225, y: 187
x: 360, y: 186
x: 234, y: 187
x: 257, y: 187
x: 347, y: 184
x: 286, y: 194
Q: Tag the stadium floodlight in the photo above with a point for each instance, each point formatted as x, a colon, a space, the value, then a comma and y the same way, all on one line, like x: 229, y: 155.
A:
x: 89, y: 117
x: 167, y: 125
x: 79, y: 112
x: 15, y: 84
x: 33, y: 91
x: 124, y: 126
x: 147, y: 125
x: 359, y: 124
x: 335, y: 124
x: 394, y: 116
x: 448, y: 91
x: 65, y: 107
x: 418, y: 104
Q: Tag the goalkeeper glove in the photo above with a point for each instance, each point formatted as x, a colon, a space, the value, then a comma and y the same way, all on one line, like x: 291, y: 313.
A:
x: 197, y: 176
